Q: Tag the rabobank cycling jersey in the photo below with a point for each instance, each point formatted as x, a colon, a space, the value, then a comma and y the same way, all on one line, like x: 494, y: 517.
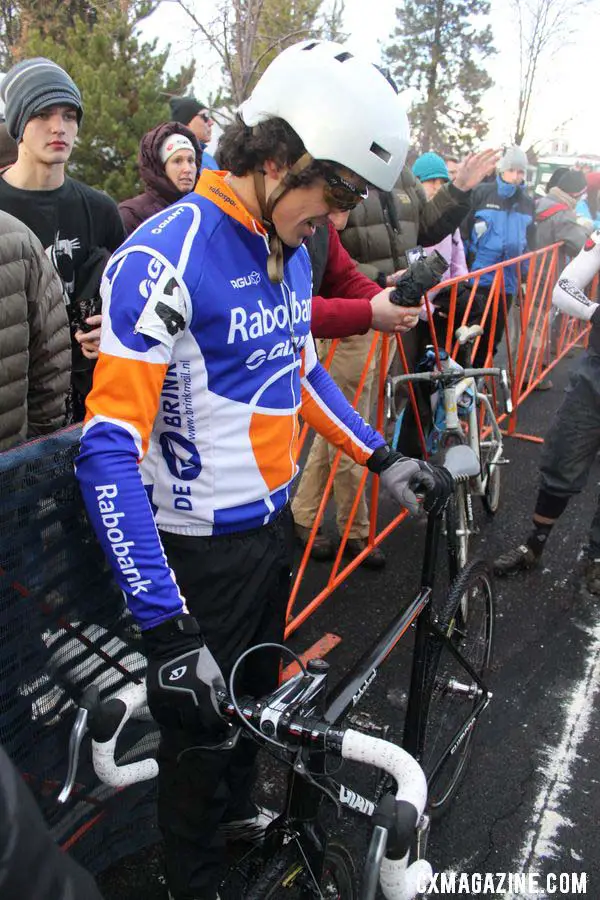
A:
x: 204, y: 366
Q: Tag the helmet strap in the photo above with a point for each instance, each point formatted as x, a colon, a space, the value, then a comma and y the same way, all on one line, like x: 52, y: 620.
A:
x: 275, y: 258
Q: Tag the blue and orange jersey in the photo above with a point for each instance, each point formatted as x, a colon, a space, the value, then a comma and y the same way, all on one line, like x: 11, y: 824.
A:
x: 204, y: 366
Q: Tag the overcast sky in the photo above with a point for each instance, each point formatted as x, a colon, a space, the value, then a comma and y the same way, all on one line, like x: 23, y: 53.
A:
x: 566, y: 89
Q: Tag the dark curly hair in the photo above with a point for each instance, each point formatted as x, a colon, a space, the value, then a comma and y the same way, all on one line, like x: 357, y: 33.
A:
x: 243, y: 149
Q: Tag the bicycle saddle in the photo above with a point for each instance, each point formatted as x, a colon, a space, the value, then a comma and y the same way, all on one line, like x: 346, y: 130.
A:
x: 461, y: 461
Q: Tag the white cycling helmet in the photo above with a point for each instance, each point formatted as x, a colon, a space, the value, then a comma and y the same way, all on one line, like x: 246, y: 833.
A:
x: 341, y: 106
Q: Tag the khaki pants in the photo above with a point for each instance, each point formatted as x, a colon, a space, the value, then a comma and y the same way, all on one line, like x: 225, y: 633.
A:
x: 346, y: 369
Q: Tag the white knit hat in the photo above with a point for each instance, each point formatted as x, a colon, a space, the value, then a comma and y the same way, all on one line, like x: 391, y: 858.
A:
x: 174, y: 143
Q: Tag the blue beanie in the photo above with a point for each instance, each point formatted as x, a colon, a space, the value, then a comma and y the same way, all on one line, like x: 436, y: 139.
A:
x: 429, y: 166
x: 31, y: 86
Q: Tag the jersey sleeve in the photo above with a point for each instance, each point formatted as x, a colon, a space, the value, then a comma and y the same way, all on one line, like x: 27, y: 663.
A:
x: 145, y: 309
x: 326, y: 409
x: 568, y: 294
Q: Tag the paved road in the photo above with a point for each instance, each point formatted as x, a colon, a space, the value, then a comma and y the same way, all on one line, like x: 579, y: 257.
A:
x: 529, y: 803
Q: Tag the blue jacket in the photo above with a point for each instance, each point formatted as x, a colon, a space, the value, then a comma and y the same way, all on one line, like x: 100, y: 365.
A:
x: 499, y: 227
x: 208, y: 161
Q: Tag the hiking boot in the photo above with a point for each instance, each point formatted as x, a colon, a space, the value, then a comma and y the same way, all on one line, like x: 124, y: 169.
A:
x: 375, y: 559
x: 323, y: 547
x: 518, y: 560
x: 592, y: 576
x: 250, y: 830
x: 545, y: 385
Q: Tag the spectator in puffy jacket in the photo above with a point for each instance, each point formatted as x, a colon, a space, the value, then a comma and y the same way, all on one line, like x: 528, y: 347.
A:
x: 35, y: 341
x: 169, y: 163
x: 31, y: 864
x: 501, y: 226
x: 556, y: 216
x: 190, y: 112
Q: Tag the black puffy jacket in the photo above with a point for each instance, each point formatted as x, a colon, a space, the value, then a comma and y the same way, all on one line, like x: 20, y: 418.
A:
x: 32, y: 867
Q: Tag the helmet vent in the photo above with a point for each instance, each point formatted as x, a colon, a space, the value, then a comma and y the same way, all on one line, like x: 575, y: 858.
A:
x: 342, y: 57
x: 311, y: 46
x: 378, y: 151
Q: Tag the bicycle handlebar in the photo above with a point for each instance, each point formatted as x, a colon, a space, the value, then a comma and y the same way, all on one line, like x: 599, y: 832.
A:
x: 456, y: 374
x: 272, y: 716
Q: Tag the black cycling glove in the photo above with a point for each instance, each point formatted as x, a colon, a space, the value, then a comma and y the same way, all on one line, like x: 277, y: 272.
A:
x: 403, y: 476
x: 183, y: 677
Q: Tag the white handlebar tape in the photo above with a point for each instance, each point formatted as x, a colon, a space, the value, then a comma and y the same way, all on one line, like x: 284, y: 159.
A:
x: 397, y: 881
x: 103, y: 754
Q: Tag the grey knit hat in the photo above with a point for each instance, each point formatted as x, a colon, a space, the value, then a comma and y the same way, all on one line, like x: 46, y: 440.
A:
x: 514, y: 158
x: 33, y: 85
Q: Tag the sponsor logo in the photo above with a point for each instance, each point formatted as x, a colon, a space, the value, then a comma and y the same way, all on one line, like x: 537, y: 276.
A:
x: 248, y: 326
x: 178, y: 673
x: 245, y: 280
x: 181, y: 456
x: 148, y: 284
x: 369, y: 679
x: 277, y: 351
x: 121, y: 549
x: 355, y: 801
x: 221, y: 195
x: 170, y: 218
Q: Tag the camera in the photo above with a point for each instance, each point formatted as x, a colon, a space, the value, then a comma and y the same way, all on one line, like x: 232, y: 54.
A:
x: 423, y: 273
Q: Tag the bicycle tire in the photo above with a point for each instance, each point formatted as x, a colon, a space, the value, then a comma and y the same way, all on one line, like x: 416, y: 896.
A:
x: 446, y: 701
x: 457, y: 528
x: 491, y: 496
x: 488, y: 448
x: 285, y: 876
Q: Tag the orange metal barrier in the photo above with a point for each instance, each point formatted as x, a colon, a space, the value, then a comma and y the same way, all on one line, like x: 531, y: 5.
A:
x: 536, y: 337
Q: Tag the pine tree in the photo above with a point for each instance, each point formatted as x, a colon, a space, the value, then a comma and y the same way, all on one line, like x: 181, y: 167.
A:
x: 438, y: 49
x: 124, y: 92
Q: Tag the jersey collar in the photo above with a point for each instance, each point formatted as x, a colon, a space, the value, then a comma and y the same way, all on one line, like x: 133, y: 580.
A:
x: 213, y: 186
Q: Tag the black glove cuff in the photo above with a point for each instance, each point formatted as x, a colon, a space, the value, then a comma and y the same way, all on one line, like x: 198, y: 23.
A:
x: 381, y: 279
x: 382, y: 459
x: 595, y: 317
x: 176, y: 635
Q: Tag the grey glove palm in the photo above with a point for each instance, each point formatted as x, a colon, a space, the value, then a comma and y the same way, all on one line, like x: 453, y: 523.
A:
x: 402, y: 476
x: 401, y: 480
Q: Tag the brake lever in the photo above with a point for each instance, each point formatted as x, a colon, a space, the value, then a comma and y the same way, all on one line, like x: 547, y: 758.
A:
x: 307, y: 775
x: 89, y: 701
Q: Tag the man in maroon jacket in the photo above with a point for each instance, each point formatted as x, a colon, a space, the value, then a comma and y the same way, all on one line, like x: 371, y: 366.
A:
x: 346, y: 303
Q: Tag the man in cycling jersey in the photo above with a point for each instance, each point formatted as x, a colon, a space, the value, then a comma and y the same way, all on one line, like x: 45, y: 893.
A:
x: 188, y: 450
x: 573, y: 440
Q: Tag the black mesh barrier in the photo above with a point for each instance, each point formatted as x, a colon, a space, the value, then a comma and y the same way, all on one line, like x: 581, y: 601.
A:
x: 64, y: 626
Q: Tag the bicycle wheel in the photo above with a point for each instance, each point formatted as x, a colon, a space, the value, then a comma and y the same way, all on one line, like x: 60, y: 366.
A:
x: 491, y: 496
x: 287, y: 876
x: 457, y: 528
x: 450, y: 695
x: 489, y: 454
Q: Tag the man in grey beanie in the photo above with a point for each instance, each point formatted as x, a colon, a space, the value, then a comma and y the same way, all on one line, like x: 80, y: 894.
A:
x: 79, y: 227
x: 501, y: 226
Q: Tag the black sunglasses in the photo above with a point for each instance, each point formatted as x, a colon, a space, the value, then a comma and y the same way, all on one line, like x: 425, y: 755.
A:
x: 205, y: 116
x: 340, y: 193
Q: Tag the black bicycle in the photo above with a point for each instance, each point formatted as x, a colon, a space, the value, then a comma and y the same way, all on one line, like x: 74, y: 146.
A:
x: 303, y: 724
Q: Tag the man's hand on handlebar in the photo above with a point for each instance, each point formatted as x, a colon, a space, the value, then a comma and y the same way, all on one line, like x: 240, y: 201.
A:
x: 405, y: 477
x: 183, y: 677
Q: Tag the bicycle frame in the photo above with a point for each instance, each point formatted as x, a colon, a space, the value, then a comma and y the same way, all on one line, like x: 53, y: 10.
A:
x: 304, y: 800
x: 451, y: 394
